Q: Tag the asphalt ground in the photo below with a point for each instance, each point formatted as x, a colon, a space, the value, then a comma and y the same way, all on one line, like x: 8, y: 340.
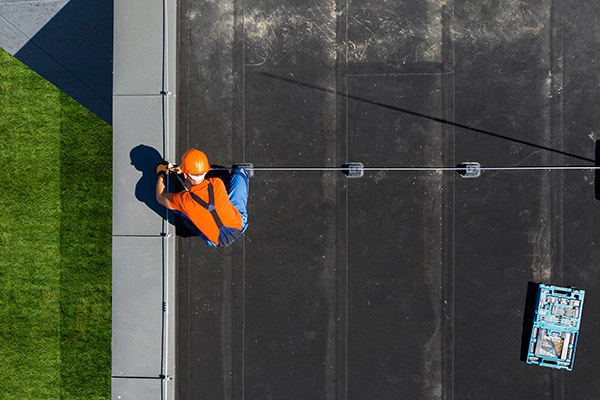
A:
x: 396, y: 285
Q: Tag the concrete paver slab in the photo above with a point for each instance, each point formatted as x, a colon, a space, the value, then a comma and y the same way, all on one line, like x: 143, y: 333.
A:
x: 137, y: 307
x: 138, y: 148
x: 138, y: 52
x: 132, y: 389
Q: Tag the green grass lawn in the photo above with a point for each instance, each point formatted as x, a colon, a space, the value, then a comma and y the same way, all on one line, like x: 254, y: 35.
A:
x: 55, y: 242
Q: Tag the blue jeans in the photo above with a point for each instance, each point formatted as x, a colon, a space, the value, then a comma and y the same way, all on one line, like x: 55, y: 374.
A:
x: 237, y: 190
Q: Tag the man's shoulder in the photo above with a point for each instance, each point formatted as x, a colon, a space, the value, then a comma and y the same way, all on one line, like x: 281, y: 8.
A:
x: 217, y: 183
x: 176, y: 200
x: 176, y: 196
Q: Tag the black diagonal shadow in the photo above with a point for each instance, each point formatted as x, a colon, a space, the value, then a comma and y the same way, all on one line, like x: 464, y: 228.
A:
x: 429, y: 117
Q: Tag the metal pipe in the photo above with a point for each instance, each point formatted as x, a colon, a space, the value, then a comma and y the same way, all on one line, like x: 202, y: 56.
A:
x: 417, y: 169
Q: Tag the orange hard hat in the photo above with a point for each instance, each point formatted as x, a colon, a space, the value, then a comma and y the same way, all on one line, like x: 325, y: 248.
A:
x: 194, y: 162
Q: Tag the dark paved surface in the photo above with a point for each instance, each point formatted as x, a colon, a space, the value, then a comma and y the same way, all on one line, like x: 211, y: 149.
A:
x: 396, y: 285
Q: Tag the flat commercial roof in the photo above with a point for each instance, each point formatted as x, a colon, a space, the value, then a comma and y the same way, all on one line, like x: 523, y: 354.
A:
x: 397, y: 284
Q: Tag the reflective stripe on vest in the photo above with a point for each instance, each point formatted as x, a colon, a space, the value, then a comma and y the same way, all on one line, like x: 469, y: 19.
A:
x: 226, y: 235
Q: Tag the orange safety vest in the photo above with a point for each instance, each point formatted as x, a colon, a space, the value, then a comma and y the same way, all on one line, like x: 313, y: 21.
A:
x: 207, y: 205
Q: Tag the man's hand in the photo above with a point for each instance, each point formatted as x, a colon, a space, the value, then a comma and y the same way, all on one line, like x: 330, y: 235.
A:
x: 162, y: 196
x: 176, y: 169
x: 162, y: 168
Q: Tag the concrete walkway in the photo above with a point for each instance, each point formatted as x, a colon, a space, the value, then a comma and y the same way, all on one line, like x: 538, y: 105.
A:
x: 143, y: 359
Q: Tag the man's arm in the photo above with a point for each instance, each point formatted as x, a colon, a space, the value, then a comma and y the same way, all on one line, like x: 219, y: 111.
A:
x: 161, y: 192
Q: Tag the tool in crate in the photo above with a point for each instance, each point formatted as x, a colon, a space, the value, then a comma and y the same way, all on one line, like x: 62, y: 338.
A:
x: 555, y: 329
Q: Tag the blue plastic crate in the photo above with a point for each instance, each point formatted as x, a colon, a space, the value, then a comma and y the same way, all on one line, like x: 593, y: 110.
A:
x: 555, y: 326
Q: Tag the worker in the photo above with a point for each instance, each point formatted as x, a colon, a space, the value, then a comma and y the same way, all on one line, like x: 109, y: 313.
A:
x: 217, y: 215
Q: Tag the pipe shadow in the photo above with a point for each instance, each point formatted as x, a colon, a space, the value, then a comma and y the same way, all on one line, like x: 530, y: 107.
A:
x: 421, y: 115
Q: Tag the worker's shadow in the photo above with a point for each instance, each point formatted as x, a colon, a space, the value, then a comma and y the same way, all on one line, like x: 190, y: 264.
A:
x: 145, y: 159
x: 219, y: 171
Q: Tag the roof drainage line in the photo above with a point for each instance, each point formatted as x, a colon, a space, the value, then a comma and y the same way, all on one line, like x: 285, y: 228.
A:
x: 145, y: 236
x: 550, y: 168
x: 418, y: 168
x: 164, y: 367
x: 138, y: 377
